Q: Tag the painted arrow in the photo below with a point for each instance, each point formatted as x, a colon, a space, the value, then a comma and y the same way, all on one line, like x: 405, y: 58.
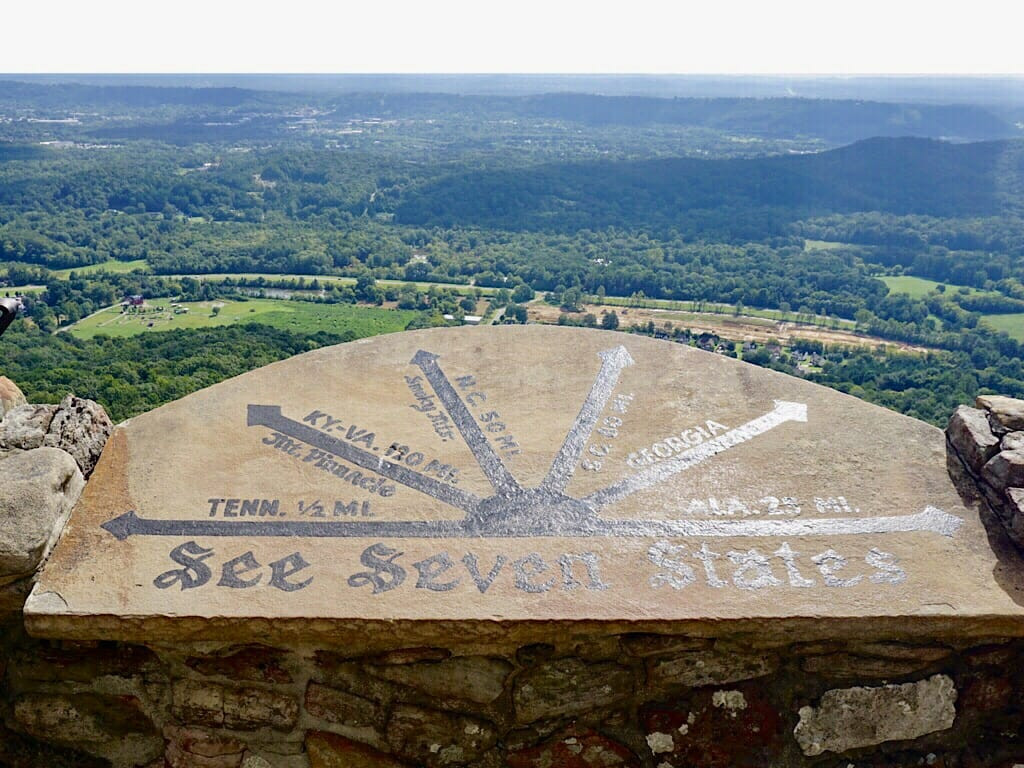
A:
x: 662, y: 470
x: 490, y: 462
x: 130, y: 524
x: 270, y: 416
x: 929, y: 520
x: 613, y: 361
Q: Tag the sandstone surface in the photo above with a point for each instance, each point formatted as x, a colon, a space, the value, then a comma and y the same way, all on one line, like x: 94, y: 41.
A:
x: 505, y: 486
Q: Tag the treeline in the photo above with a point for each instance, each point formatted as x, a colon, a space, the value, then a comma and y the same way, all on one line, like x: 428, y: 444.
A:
x: 135, y: 374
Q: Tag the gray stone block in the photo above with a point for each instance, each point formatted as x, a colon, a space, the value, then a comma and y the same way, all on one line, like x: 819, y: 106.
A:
x: 849, y: 718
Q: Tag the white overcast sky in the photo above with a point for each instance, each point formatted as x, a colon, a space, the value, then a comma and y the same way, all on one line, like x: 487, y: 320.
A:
x: 527, y: 36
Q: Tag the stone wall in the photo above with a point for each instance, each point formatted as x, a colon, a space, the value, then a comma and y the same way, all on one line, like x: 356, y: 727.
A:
x: 705, y: 698
x: 986, y: 449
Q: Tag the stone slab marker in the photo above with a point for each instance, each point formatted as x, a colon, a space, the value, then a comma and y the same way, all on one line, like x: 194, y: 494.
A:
x: 524, y: 526
x: 514, y: 476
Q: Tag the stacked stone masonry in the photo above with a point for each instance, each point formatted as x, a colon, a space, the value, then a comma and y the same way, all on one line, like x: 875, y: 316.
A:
x: 986, y: 450
x: 585, y: 702
x: 706, y: 699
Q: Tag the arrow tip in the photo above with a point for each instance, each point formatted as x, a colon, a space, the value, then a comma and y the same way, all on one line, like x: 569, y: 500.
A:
x: 422, y: 356
x: 792, y: 411
x: 941, y: 521
x: 120, y: 527
x: 618, y: 355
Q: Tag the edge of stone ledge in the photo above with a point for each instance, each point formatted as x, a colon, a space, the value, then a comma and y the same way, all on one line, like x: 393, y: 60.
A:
x: 45, y: 617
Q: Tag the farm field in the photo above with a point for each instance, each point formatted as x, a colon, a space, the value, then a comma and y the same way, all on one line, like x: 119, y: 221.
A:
x: 729, y: 327
x: 918, y: 287
x: 114, y: 267
x: 295, y: 316
x: 1012, y: 324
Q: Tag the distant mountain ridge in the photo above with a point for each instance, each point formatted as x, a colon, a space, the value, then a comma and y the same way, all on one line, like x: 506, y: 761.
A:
x: 69, y: 95
x: 837, y: 121
x: 892, y: 175
x: 833, y: 121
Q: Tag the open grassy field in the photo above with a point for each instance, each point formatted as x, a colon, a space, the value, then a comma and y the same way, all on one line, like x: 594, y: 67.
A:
x: 917, y: 287
x: 115, y: 267
x: 822, y: 245
x: 295, y: 316
x: 1012, y: 324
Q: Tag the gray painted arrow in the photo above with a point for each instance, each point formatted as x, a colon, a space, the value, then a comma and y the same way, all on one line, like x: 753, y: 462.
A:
x: 130, y: 524
x: 782, y: 412
x: 270, y: 416
x: 490, y: 462
x: 930, y: 520
x: 564, y: 466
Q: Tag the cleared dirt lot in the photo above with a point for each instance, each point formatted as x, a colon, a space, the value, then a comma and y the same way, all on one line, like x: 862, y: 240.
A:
x: 730, y: 327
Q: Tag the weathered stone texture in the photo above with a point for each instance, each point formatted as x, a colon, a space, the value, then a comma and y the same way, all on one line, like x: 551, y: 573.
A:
x: 575, y: 748
x: 700, y: 668
x: 255, y: 663
x: 37, y: 490
x: 567, y: 687
x: 80, y: 427
x: 428, y: 737
x: 204, y: 703
x: 848, y: 718
x: 1015, y: 500
x: 198, y: 748
x: 329, y: 750
x: 25, y: 426
x: 1005, y: 470
x: 1006, y: 412
x: 10, y: 396
x: 873, y: 662
x: 471, y: 678
x: 411, y: 656
x: 81, y: 717
x: 83, y: 663
x: 971, y: 435
x: 336, y: 706
x: 1012, y: 441
x: 644, y: 645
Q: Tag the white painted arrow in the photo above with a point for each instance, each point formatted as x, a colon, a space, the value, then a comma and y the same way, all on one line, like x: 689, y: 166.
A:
x: 782, y: 412
x: 930, y: 519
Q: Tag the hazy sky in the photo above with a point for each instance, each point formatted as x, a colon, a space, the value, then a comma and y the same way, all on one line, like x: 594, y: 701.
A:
x: 638, y: 36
